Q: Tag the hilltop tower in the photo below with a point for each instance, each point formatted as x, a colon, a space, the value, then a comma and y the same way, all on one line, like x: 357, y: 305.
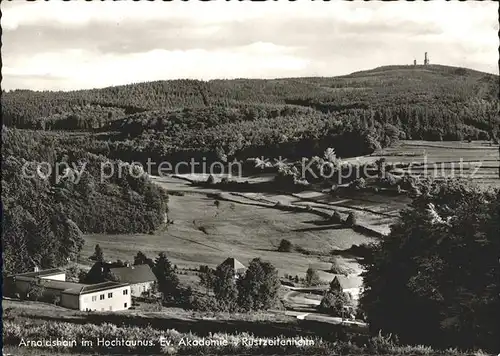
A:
x: 414, y: 62
x: 426, y: 60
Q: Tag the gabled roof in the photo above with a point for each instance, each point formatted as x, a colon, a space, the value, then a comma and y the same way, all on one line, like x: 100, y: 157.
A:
x: 234, y: 264
x: 349, y: 282
x: 93, y: 288
x: 134, y: 274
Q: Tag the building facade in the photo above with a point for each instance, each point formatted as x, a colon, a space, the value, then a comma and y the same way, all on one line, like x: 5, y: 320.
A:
x: 140, y: 277
x: 106, y: 296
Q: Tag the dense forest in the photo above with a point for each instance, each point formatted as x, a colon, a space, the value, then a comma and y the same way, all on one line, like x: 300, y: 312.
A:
x: 435, y: 279
x: 43, y: 218
x: 355, y: 114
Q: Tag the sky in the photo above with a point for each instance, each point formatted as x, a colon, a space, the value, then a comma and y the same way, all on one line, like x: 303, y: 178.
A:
x: 79, y: 45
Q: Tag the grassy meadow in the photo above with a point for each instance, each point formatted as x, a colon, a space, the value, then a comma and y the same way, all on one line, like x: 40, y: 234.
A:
x: 247, y: 225
x: 205, y: 234
x: 480, y: 159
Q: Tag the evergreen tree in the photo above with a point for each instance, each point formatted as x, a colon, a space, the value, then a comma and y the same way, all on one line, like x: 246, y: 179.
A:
x: 224, y: 285
x: 98, y: 254
x: 207, y: 278
x: 141, y: 259
x: 168, y: 282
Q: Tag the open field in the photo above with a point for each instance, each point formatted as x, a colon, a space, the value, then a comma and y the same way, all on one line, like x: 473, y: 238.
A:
x: 477, y: 160
x: 205, y: 234
x: 249, y: 225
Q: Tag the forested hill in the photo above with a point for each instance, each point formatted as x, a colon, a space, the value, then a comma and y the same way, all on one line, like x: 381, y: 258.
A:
x: 241, y: 118
x: 429, y: 86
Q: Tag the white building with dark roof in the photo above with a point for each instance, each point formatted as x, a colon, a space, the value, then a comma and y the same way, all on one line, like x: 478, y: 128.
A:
x: 140, y: 277
x: 106, y: 296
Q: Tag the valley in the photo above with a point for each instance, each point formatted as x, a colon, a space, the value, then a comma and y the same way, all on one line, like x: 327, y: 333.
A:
x: 421, y: 137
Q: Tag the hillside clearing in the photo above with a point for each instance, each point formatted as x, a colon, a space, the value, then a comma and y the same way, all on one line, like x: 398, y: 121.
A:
x: 204, y: 234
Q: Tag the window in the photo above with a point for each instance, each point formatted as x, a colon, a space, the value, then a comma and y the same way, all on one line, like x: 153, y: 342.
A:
x: 124, y: 305
x: 94, y: 298
x: 110, y: 295
x: 101, y: 297
x: 125, y: 291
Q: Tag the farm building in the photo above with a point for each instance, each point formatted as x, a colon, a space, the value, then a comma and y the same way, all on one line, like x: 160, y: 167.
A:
x: 350, y: 285
x: 140, y: 277
x: 96, y: 297
x: 237, y: 266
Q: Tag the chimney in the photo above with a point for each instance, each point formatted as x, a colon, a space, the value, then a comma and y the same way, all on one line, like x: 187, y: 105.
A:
x: 426, y: 60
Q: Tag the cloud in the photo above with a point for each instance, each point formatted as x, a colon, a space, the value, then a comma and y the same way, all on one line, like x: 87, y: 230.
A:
x: 81, y: 70
x: 91, y: 44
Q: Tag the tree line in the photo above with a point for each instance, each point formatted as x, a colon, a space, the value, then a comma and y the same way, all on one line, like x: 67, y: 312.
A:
x: 434, y: 103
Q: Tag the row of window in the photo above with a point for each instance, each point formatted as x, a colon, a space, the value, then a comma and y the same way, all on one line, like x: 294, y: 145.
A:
x: 110, y: 295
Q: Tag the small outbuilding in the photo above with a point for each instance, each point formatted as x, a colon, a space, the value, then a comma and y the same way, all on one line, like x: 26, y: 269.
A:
x: 238, y: 267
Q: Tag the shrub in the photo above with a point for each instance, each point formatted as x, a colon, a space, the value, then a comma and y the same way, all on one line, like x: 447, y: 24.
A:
x: 381, y: 344
x: 334, y: 303
x: 210, y: 179
x: 36, y: 291
x: 208, y: 303
x: 351, y: 219
x: 312, y: 277
x: 388, y: 180
x: 336, y: 217
x: 358, y: 184
x: 285, y: 246
x: 55, y: 299
x: 335, y: 268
